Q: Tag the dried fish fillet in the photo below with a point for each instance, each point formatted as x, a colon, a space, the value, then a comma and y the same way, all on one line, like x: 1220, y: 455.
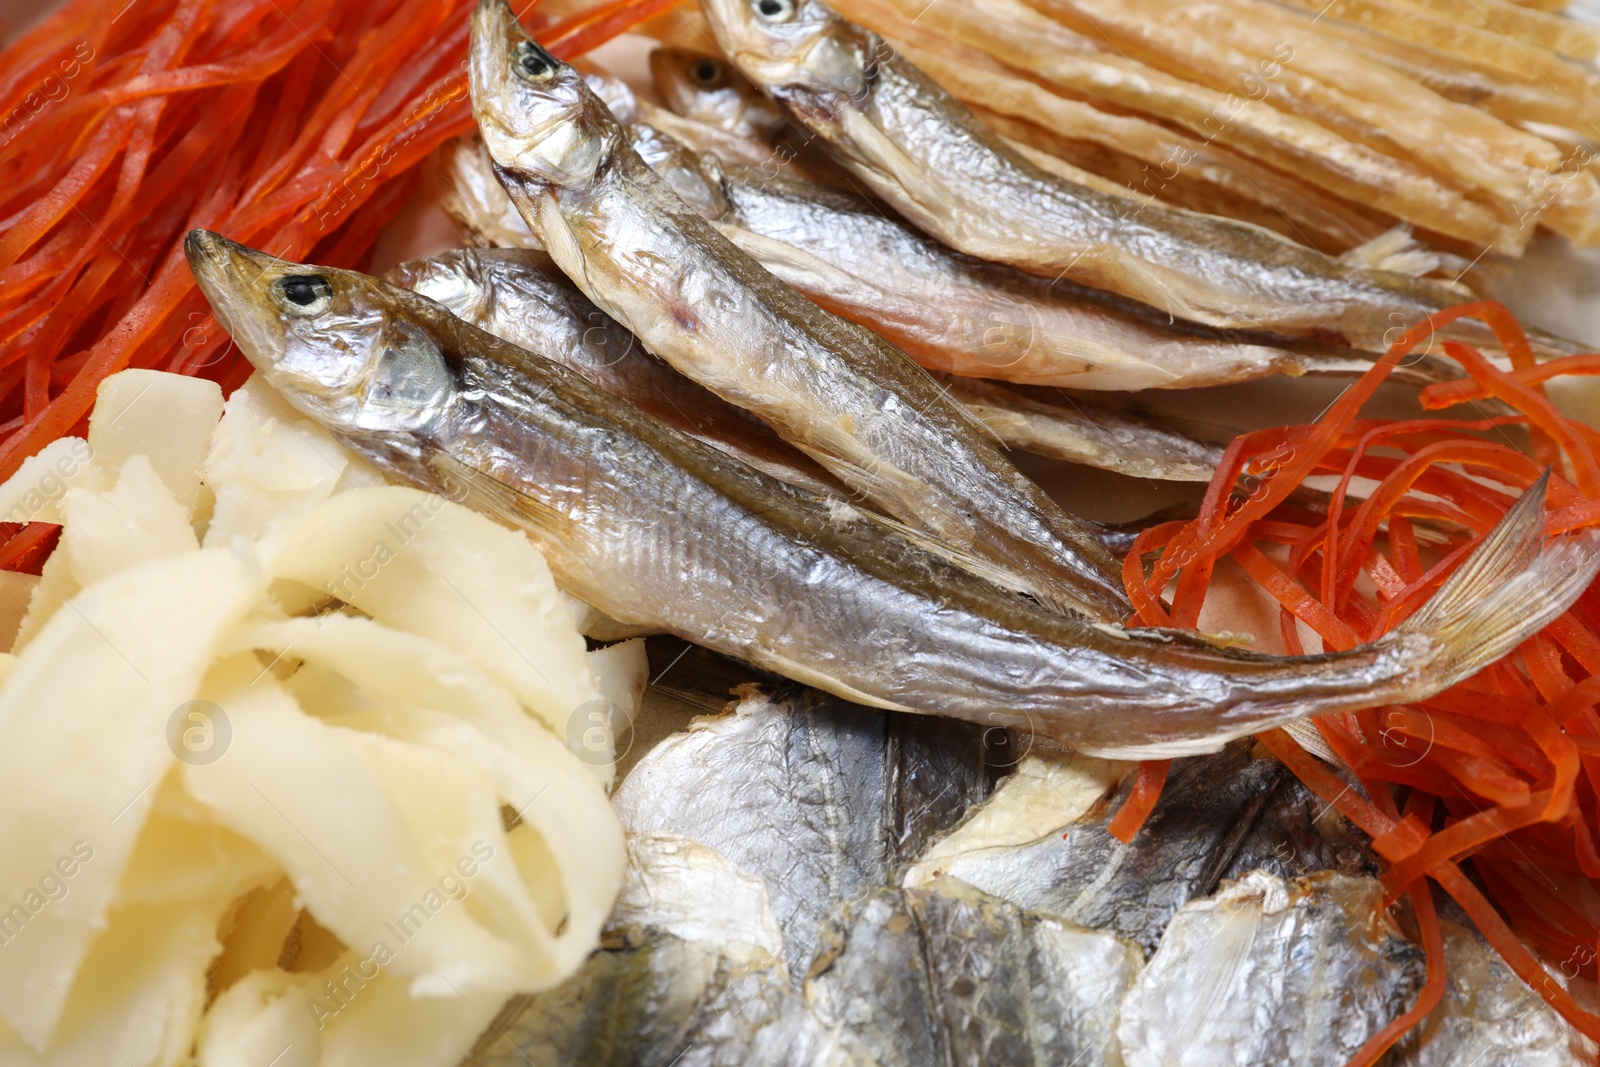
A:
x: 1269, y: 971
x: 947, y: 974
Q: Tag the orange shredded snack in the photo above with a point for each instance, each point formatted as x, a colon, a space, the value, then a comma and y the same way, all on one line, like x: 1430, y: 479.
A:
x: 295, y: 127
x: 1501, y: 772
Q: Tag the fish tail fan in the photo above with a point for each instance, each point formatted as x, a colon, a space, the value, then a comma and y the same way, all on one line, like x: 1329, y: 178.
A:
x: 1512, y: 586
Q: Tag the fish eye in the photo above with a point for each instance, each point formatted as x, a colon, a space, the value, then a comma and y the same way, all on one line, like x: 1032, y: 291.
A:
x: 775, y: 10
x: 533, y: 62
x: 304, y: 294
x: 707, y: 73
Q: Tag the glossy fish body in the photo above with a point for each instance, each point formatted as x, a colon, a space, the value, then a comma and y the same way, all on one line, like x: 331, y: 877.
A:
x: 961, y: 315
x: 655, y: 528
x: 849, y: 399
x: 519, y: 296
x: 920, y: 150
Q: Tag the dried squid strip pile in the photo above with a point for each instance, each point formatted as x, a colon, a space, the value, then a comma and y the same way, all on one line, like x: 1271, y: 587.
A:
x: 1499, y: 776
x: 295, y: 127
x: 1474, y: 123
x: 280, y: 772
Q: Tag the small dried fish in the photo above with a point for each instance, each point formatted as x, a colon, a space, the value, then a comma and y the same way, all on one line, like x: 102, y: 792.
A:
x: 521, y: 297
x: 1133, y: 151
x: 1084, y: 67
x: 846, y: 397
x: 965, y: 316
x: 633, y: 517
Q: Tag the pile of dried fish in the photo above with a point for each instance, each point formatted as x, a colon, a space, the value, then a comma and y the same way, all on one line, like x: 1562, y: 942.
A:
x: 784, y: 907
x: 746, y: 363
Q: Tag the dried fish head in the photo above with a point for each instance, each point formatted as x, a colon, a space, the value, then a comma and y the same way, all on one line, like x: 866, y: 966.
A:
x: 707, y: 89
x: 531, y: 108
x: 326, y: 338
x: 800, y: 49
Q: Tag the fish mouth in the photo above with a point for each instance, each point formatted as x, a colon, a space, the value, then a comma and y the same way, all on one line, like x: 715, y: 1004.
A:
x: 234, y: 279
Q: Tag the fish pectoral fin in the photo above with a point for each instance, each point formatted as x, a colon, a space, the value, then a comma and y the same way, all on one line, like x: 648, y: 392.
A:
x: 471, y: 488
x: 993, y: 573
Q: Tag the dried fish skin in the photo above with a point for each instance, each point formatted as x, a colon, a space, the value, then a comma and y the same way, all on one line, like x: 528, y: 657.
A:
x: 660, y: 1001
x: 788, y: 788
x: 521, y: 297
x: 1489, y: 1017
x: 849, y: 399
x: 681, y: 887
x: 946, y: 974
x: 1268, y: 971
x: 1084, y: 875
x: 1366, y: 102
x: 1511, y: 96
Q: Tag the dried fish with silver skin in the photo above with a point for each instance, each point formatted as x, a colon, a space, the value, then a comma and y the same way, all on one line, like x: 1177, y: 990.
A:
x: 838, y: 392
x: 949, y: 975
x: 923, y: 152
x: 950, y: 312
x: 1134, y: 151
x: 661, y: 1000
x: 520, y: 296
x: 705, y: 89
x: 1208, y: 810
x: 965, y: 316
x: 655, y: 528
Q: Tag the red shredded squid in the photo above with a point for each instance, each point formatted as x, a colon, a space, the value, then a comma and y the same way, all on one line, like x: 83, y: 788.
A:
x: 1501, y: 772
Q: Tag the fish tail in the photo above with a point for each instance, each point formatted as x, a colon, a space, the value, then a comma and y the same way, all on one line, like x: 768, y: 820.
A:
x: 1512, y: 586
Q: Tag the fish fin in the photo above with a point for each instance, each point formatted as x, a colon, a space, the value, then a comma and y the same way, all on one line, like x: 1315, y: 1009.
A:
x: 1511, y: 587
x: 472, y: 488
x: 994, y: 573
x: 1395, y: 250
x: 1305, y: 734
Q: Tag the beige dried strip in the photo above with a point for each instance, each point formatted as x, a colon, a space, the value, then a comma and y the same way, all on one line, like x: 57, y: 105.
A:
x: 1526, y: 63
x: 1458, y: 78
x: 1028, y: 41
x: 1173, y: 166
x: 1555, y: 32
x: 1247, y: 47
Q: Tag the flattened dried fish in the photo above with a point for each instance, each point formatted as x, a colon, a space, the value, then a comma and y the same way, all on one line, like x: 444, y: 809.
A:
x: 949, y: 975
x: 660, y: 1001
x: 1269, y: 971
x: 791, y: 791
x: 633, y: 516
x: 1080, y: 872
